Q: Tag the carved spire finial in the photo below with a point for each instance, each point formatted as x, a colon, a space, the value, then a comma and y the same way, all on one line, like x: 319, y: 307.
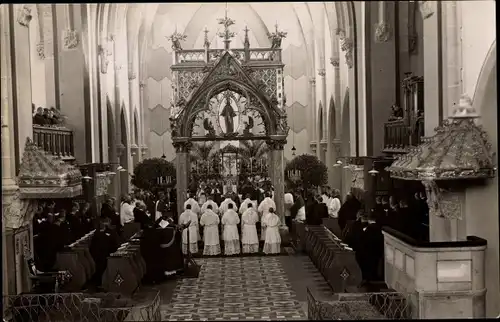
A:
x: 206, y: 42
x: 226, y: 35
x: 464, y: 109
x: 247, y: 41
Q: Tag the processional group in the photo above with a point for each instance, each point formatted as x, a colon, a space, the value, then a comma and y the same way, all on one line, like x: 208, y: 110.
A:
x: 227, y: 96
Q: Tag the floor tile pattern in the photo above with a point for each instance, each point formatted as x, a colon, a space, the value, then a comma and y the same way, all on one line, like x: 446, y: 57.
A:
x: 241, y: 288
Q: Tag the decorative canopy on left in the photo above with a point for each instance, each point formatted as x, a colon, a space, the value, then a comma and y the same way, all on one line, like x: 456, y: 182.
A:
x: 43, y: 175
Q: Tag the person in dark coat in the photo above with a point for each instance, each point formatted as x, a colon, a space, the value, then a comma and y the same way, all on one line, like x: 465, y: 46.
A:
x: 89, y: 222
x: 348, y: 210
x: 311, y: 203
x: 75, y: 223
x: 354, y: 231
x: 104, y: 242
x: 108, y: 211
x: 51, y: 240
x: 370, y: 252
x: 140, y: 215
x: 39, y: 218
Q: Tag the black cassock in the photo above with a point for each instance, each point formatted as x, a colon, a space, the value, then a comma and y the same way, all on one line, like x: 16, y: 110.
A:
x: 103, y: 243
x: 161, y: 250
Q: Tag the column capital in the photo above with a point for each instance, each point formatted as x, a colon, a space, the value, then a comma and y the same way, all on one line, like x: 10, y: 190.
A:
x: 347, y: 47
x: 131, y: 76
x: 276, y: 144
x: 24, y: 16
x: 142, y: 84
x: 335, y: 61
x: 382, y: 32
x: 40, y: 49
x: 322, y: 72
x: 312, y: 80
x: 120, y: 148
x: 70, y: 39
x: 182, y: 146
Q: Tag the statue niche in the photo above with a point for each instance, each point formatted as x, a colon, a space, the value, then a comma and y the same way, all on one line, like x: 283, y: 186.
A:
x: 229, y: 114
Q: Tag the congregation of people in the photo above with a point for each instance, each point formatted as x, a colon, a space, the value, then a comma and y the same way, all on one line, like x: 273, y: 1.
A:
x: 229, y: 224
x: 47, y: 116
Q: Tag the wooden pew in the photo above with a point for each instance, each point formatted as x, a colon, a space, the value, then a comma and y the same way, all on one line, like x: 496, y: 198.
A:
x: 335, y: 261
x: 125, y: 269
x: 76, y: 259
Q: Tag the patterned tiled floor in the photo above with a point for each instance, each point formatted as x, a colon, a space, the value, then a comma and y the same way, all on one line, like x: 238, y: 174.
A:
x: 241, y: 288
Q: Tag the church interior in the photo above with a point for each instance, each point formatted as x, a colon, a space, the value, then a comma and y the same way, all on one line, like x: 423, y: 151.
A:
x: 249, y: 161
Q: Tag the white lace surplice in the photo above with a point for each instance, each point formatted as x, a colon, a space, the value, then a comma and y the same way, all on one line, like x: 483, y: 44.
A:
x: 230, y: 234
x: 249, y: 238
x: 194, y: 205
x: 263, y: 209
x: 272, y: 243
x: 210, y: 233
x: 204, y: 208
x: 224, y: 206
x: 184, y: 218
x: 244, y: 205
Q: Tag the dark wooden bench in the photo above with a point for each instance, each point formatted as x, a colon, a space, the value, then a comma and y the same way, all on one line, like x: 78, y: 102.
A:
x: 125, y: 269
x: 76, y: 259
x: 335, y: 261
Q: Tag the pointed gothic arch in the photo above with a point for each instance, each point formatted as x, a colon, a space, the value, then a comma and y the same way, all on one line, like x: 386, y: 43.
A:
x: 256, y: 86
x: 320, y: 121
x: 332, y: 130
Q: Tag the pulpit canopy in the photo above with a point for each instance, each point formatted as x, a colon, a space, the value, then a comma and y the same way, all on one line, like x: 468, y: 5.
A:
x: 43, y: 175
x: 460, y: 149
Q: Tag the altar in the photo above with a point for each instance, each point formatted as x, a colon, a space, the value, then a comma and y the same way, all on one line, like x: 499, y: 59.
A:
x: 228, y: 96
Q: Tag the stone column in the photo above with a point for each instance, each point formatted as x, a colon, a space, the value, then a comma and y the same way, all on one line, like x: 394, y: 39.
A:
x: 22, y: 82
x: 182, y: 167
x: 46, y: 49
x: 322, y: 137
x: 335, y: 173
x: 276, y: 146
x: 8, y: 141
x: 313, y: 140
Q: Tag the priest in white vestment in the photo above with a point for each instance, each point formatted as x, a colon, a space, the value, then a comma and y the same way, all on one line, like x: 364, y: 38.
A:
x: 210, y: 221
x: 212, y: 203
x: 249, y: 238
x: 263, y: 210
x: 230, y: 235
x: 272, y: 244
x: 224, y: 206
x: 195, y: 207
x: 126, y: 211
x: 245, y: 203
x: 288, y: 206
x: 189, y: 216
x: 334, y: 204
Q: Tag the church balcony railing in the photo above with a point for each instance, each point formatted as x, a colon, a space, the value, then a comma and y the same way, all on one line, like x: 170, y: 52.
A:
x: 56, y: 140
x: 398, y: 136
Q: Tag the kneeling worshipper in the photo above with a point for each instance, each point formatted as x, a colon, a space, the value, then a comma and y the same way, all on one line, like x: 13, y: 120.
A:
x: 188, y: 216
x: 210, y: 202
x: 249, y: 238
x: 272, y: 244
x: 230, y: 220
x: 263, y: 209
x: 104, y: 242
x: 210, y: 221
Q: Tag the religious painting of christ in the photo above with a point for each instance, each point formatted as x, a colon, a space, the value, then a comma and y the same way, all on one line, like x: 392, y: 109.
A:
x: 227, y: 117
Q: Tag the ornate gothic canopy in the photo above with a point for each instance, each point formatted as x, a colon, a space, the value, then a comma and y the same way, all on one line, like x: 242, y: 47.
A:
x: 228, y: 94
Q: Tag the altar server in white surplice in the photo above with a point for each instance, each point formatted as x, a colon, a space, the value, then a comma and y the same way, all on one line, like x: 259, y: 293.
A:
x: 244, y: 205
x: 224, y: 206
x: 272, y: 244
x: 210, y: 221
x: 187, y: 216
x: 230, y: 235
x: 195, y: 207
x: 263, y: 210
x: 212, y: 203
x: 249, y: 238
